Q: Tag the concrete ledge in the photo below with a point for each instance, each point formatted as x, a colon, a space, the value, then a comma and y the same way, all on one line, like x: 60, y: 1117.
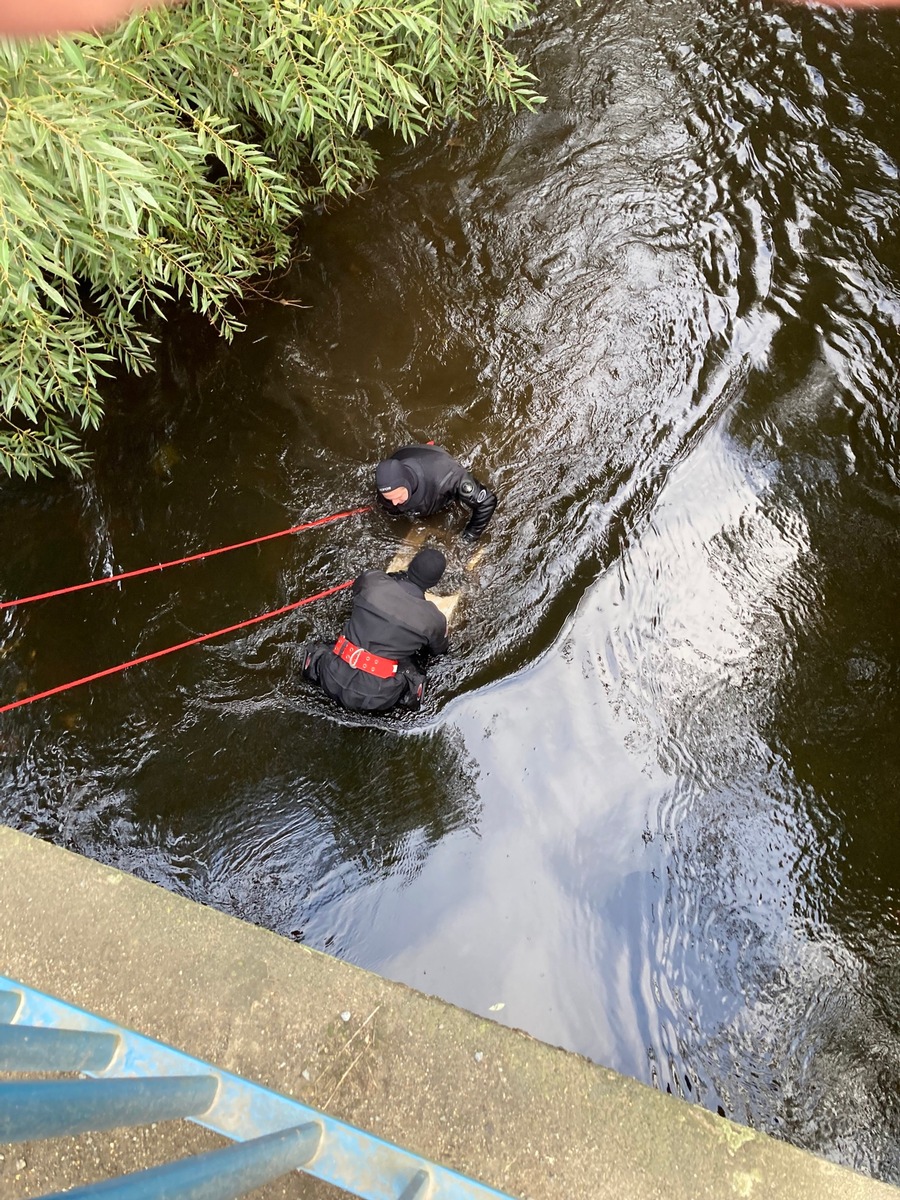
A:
x: 491, y: 1102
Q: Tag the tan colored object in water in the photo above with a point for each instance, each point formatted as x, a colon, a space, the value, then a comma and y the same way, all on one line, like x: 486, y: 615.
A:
x: 401, y: 560
x: 476, y: 558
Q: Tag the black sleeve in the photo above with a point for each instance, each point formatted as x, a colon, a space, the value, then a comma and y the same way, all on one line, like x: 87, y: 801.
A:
x: 439, y: 642
x: 480, y: 500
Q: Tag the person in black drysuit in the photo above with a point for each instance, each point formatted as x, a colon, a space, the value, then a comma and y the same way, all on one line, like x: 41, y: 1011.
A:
x: 425, y: 479
x: 378, y: 662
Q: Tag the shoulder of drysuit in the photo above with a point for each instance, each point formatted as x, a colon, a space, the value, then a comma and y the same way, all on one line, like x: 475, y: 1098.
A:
x: 438, y: 457
x: 368, y: 579
x: 437, y: 469
x: 425, y: 454
x: 385, y: 591
x: 393, y: 581
x: 433, y: 620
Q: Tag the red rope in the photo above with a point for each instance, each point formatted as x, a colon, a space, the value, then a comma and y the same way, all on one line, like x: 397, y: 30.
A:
x: 204, y: 637
x: 176, y: 562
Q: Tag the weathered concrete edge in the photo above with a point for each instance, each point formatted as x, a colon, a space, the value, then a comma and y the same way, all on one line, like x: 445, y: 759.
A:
x: 523, y: 1116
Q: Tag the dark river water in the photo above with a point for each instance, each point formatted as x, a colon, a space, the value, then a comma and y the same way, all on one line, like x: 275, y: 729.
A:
x: 651, y: 807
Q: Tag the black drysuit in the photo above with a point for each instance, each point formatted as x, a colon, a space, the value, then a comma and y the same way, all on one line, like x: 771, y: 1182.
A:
x: 435, y: 479
x: 391, y: 618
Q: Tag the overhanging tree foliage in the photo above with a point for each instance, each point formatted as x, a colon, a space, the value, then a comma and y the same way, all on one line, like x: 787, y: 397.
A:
x: 108, y: 204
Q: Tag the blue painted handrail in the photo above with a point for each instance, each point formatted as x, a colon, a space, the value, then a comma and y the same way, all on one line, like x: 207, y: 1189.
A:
x: 9, y: 1004
x: 219, y: 1175
x: 51, y: 1108
x: 23, y: 1049
x: 136, y: 1080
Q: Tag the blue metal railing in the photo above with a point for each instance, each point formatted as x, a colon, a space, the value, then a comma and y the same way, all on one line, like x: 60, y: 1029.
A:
x: 134, y: 1080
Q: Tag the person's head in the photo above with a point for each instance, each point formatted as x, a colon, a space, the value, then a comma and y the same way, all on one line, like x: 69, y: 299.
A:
x: 394, y: 482
x: 426, y: 568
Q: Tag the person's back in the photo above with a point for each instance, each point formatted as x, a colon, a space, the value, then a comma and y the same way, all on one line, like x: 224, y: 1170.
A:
x: 373, y: 665
x: 391, y: 617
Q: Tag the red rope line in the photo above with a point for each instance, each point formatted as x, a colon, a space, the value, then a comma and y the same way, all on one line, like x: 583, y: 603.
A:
x: 204, y: 637
x: 176, y: 562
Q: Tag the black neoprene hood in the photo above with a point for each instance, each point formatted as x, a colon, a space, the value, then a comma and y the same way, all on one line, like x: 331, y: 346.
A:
x: 392, y: 474
x: 426, y: 568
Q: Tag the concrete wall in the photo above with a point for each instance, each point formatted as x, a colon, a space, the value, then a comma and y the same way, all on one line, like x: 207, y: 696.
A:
x: 524, y: 1117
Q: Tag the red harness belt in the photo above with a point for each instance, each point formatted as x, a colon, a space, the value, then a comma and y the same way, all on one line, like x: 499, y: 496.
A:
x: 372, y: 664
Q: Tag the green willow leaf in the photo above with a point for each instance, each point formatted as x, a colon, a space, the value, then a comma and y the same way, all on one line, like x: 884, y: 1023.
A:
x: 171, y: 156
